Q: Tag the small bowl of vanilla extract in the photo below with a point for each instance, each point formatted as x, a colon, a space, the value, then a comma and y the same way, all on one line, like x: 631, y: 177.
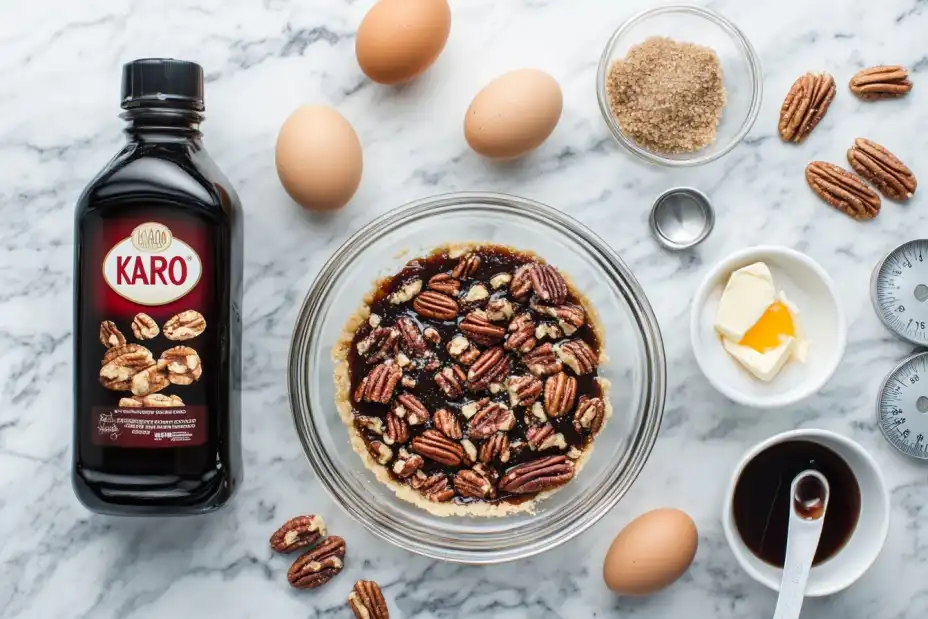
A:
x: 758, y: 503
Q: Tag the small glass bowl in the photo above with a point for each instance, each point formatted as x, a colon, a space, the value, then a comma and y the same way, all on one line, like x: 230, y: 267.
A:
x: 636, y: 371
x: 741, y: 74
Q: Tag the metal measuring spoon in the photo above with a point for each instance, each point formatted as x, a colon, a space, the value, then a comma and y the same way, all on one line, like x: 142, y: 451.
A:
x: 809, y: 492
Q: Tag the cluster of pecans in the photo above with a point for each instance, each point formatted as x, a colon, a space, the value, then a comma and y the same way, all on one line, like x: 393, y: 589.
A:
x: 322, y: 560
x: 806, y: 104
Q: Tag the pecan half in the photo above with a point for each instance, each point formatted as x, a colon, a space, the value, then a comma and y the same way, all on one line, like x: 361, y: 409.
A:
x: 882, y: 82
x: 543, y: 437
x: 121, y: 363
x: 538, y: 475
x: 447, y: 423
x: 883, y: 169
x: 450, y: 379
x: 577, y: 355
x: 495, y: 448
x: 184, y: 326
x: 435, y: 305
x: 521, y: 336
x: 366, y: 601
x: 466, y: 266
x: 521, y: 285
x: 843, y: 190
x: 434, y: 487
x: 491, y: 418
x: 319, y: 565
x: 805, y: 105
x: 491, y: 366
x: 478, y: 327
x: 408, y: 407
x: 372, y: 424
x: 380, y: 344
x: 590, y: 414
x: 298, y: 532
x: 499, y: 310
x: 397, y: 431
x: 110, y: 335
x: 569, y: 317
x: 144, y: 327
x: 183, y: 365
x: 406, y: 464
x: 549, y: 284
x: 153, y: 400
x: 523, y: 390
x: 380, y: 452
x: 470, y: 483
x: 152, y: 379
x: 445, y: 284
x: 379, y: 383
x: 542, y: 361
x: 432, y: 335
x: 410, y: 337
x: 560, y: 394
x: 437, y: 447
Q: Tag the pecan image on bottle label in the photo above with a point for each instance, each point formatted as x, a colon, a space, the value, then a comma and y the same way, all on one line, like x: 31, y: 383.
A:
x: 152, y: 379
x: 184, y: 326
x: 121, y: 364
x: 110, y: 335
x: 183, y: 365
x: 144, y: 327
x: 154, y: 400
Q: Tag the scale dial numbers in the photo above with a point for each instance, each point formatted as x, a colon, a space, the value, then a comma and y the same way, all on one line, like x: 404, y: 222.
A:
x: 899, y: 289
x: 902, y: 407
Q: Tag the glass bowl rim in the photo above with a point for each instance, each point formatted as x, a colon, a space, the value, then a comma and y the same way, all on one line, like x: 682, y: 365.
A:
x: 757, y: 84
x: 653, y: 388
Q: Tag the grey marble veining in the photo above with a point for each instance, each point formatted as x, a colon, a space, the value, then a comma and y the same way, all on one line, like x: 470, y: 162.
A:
x: 60, y: 63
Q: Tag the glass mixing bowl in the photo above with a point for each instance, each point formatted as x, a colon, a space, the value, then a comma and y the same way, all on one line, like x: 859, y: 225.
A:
x: 741, y: 74
x: 632, y: 339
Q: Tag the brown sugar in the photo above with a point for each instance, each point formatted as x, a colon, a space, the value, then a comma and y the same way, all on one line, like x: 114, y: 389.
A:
x: 667, y: 96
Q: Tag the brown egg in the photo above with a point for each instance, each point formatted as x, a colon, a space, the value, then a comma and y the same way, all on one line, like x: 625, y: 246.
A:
x: 513, y: 114
x: 399, y: 39
x: 651, y: 552
x: 319, y: 158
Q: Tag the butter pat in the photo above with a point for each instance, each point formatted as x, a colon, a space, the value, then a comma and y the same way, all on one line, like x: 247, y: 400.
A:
x: 764, y: 366
x: 747, y: 296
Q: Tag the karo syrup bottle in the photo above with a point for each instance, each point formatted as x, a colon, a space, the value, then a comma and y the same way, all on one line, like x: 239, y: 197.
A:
x: 157, y: 324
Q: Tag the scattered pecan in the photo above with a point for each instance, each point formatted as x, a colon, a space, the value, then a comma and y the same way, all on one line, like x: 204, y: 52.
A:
x: 451, y: 381
x: 577, y: 355
x: 144, y: 327
x: 569, y: 317
x: 883, y: 169
x: 883, y: 82
x: 437, y: 447
x: 407, y: 291
x: 435, y: 305
x: 495, y: 448
x: 499, y: 310
x: 523, y: 390
x: 470, y: 483
x: 491, y: 418
x: 476, y: 293
x: 432, y: 335
x: 380, y: 452
x: 538, y: 475
x: 470, y: 355
x: 560, y: 394
x: 406, y: 464
x: 543, y: 437
x: 319, y: 565
x: 397, y: 431
x: 184, y: 326
x: 379, y: 383
x: 366, y: 601
x: 805, y: 105
x: 445, y: 284
x: 521, y: 285
x: 843, y: 190
x: 491, y: 366
x: 373, y: 424
x: 153, y: 400
x: 477, y: 326
x: 499, y: 280
x: 521, y: 336
x: 542, y: 361
x: 110, y: 335
x: 435, y: 487
x: 121, y: 363
x: 466, y: 266
x: 470, y: 452
x: 183, y: 365
x: 410, y: 337
x: 298, y: 532
x: 447, y: 423
x: 380, y: 344
x: 590, y: 414
x: 152, y: 379
x: 408, y: 407
x: 549, y: 284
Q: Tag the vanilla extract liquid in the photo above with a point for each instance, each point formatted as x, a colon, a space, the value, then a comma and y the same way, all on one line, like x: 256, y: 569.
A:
x: 158, y: 284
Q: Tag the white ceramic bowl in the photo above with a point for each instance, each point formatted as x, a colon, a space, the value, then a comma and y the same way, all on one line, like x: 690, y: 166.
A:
x: 865, y: 543
x: 821, y: 319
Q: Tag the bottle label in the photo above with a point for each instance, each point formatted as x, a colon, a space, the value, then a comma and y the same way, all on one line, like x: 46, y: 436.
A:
x: 150, y: 325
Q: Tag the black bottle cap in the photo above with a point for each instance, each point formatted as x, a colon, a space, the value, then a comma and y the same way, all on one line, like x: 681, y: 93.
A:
x: 162, y: 82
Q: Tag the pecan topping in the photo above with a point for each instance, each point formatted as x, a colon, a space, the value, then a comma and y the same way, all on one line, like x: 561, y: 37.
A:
x: 491, y: 418
x: 481, y: 330
x: 879, y: 166
x: 805, y: 105
x: 298, y: 532
x: 110, y: 335
x: 521, y: 336
x: 154, y: 400
x: 499, y: 310
x: 538, y: 475
x: 470, y: 483
x: 397, y: 431
x: 549, y: 284
x: 144, y: 327
x: 184, y: 326
x: 470, y: 452
x: 183, y: 365
x: 380, y: 344
x: 523, y: 390
x: 366, y: 601
x: 380, y: 452
x: 407, y: 291
x: 434, y: 487
x: 521, y: 285
x: 560, y: 394
x: 152, y: 379
x: 543, y: 437
x: 883, y: 82
x: 477, y: 292
x: 491, y: 366
x: 432, y: 335
x: 409, y: 407
x: 590, y: 414
x: 451, y: 380
x: 495, y: 448
x: 121, y: 363
x: 406, y: 464
x: 435, y: 305
x: 499, y: 280
x: 319, y: 565
x: 466, y: 266
x: 379, y: 383
x: 445, y: 284
x: 447, y: 423
x: 569, y: 317
x: 411, y: 338
x: 437, y: 447
x: 372, y: 424
x: 577, y: 355
x: 542, y: 361
x: 843, y: 190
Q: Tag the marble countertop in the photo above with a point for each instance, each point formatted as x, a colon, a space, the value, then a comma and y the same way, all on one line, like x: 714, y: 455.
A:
x: 58, y: 126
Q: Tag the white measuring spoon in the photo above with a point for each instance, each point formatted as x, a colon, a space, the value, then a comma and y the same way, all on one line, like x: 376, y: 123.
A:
x: 809, y: 499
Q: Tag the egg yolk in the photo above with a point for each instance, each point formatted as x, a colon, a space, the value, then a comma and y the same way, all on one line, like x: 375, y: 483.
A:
x: 774, y: 326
